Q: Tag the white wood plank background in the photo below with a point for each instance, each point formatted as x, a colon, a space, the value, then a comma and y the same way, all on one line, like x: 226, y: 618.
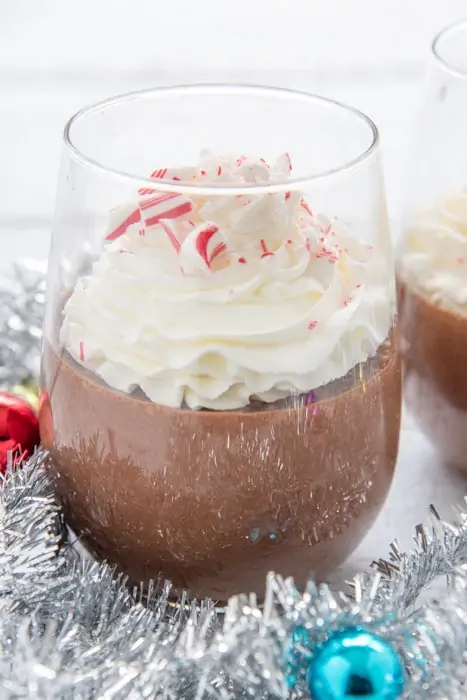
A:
x: 57, y: 56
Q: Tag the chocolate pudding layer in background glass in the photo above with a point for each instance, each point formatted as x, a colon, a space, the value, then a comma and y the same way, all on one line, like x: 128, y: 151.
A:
x: 432, y: 258
x: 220, y: 372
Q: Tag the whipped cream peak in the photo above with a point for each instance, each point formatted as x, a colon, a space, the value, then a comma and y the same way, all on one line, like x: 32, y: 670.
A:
x: 433, y: 258
x: 208, y: 302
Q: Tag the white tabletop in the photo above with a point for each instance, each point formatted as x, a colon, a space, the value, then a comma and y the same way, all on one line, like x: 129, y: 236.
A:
x: 56, y: 57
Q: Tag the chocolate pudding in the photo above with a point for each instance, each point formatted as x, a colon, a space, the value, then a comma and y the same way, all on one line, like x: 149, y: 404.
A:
x: 435, y: 372
x: 213, y: 500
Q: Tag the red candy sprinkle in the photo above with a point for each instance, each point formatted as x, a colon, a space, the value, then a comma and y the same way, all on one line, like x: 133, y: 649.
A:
x: 265, y: 249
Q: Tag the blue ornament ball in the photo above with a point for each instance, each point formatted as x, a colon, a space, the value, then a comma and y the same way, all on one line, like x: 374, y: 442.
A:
x: 355, y: 664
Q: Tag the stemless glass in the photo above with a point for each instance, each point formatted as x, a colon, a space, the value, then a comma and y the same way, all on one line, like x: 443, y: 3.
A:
x: 432, y: 259
x: 220, y: 374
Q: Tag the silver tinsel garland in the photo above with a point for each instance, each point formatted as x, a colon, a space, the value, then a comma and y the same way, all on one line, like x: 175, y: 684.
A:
x: 72, y: 629
x: 22, y: 292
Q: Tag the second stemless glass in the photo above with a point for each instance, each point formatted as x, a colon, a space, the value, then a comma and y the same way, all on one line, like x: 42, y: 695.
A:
x: 221, y: 382
x: 432, y: 260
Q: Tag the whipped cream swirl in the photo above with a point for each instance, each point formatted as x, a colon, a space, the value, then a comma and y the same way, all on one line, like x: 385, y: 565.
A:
x: 433, y: 258
x: 213, y: 301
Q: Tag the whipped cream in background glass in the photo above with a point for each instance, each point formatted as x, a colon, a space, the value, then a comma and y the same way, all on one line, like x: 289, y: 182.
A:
x: 434, y: 257
x: 208, y: 302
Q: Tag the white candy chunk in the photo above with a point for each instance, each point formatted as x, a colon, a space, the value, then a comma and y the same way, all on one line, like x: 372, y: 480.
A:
x: 283, y: 164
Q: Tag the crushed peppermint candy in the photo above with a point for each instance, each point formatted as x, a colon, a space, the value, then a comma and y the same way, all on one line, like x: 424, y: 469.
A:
x: 209, y: 234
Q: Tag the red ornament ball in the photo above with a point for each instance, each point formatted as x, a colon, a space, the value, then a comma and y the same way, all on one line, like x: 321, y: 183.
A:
x: 19, y: 430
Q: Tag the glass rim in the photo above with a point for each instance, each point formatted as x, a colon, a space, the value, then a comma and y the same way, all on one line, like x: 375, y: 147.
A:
x: 438, y: 55
x: 213, y: 89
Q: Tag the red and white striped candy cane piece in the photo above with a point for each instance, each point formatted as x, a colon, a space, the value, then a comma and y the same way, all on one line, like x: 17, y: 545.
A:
x: 165, y: 205
x: 171, y: 235
x: 120, y: 220
x: 169, y: 174
x: 201, y: 248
